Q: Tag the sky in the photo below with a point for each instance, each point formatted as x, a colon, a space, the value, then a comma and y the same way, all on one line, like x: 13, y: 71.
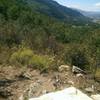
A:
x: 88, y: 5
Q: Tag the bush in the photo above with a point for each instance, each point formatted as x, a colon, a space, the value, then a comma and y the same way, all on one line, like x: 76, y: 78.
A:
x: 40, y: 61
x: 77, y: 56
x: 26, y: 57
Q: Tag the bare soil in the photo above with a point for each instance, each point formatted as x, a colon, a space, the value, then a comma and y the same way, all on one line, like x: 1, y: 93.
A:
x: 15, y: 82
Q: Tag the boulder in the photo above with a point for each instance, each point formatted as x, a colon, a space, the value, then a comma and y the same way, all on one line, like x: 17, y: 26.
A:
x: 70, y: 93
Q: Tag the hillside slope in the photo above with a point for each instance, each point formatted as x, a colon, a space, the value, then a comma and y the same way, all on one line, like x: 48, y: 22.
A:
x: 32, y: 36
x: 41, y: 35
x: 53, y: 9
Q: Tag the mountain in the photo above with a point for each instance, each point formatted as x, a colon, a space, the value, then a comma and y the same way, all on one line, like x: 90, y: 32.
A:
x: 55, y: 10
x: 95, y: 15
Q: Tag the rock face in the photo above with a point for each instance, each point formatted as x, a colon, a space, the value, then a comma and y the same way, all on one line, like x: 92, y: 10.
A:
x: 67, y: 94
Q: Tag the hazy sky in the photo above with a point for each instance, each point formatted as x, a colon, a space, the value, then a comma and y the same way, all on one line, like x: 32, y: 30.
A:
x: 89, y: 5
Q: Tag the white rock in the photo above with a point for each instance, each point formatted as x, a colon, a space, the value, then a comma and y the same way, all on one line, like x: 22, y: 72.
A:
x: 76, y: 69
x: 95, y: 97
x: 71, y: 82
x: 64, y: 68
x: 79, y: 75
x: 44, y: 91
x: 67, y: 94
x: 89, y: 89
x: 21, y: 97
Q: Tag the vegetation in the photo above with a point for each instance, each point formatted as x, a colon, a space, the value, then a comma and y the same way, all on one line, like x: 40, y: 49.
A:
x: 44, y: 37
x: 26, y: 57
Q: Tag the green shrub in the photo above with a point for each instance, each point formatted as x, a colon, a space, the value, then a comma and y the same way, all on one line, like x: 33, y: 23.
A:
x: 40, y: 61
x: 26, y: 57
x: 21, y: 57
x: 77, y: 56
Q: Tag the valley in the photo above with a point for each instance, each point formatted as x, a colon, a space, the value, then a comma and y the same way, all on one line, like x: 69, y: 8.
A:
x: 36, y: 38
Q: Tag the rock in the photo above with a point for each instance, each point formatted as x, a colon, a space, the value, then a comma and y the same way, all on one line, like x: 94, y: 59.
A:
x: 76, y: 70
x: 44, y: 92
x: 6, y: 82
x: 57, y: 81
x: 95, y: 97
x: 63, y: 68
x: 71, y: 82
x: 33, y: 88
x: 70, y: 93
x: 89, y: 90
x: 21, y: 97
x: 79, y: 75
x: 25, y: 76
x: 39, y: 82
x: 5, y: 93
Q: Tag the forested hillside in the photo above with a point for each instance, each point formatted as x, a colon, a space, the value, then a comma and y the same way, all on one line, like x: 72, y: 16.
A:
x: 53, y: 9
x: 32, y: 33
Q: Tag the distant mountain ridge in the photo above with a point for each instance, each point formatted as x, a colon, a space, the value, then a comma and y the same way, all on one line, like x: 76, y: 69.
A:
x: 94, y: 15
x: 91, y: 14
x: 53, y: 9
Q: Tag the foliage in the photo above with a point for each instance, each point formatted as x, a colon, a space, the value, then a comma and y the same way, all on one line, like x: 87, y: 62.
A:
x: 26, y: 57
x: 71, y: 43
x: 77, y: 56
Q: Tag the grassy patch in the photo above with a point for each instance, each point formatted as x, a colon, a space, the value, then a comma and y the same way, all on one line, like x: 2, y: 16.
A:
x: 26, y: 57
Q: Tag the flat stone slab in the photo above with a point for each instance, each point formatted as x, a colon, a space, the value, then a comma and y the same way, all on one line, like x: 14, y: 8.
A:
x: 70, y: 93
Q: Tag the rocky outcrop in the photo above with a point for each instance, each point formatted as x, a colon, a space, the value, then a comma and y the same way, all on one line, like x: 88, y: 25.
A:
x: 70, y: 93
